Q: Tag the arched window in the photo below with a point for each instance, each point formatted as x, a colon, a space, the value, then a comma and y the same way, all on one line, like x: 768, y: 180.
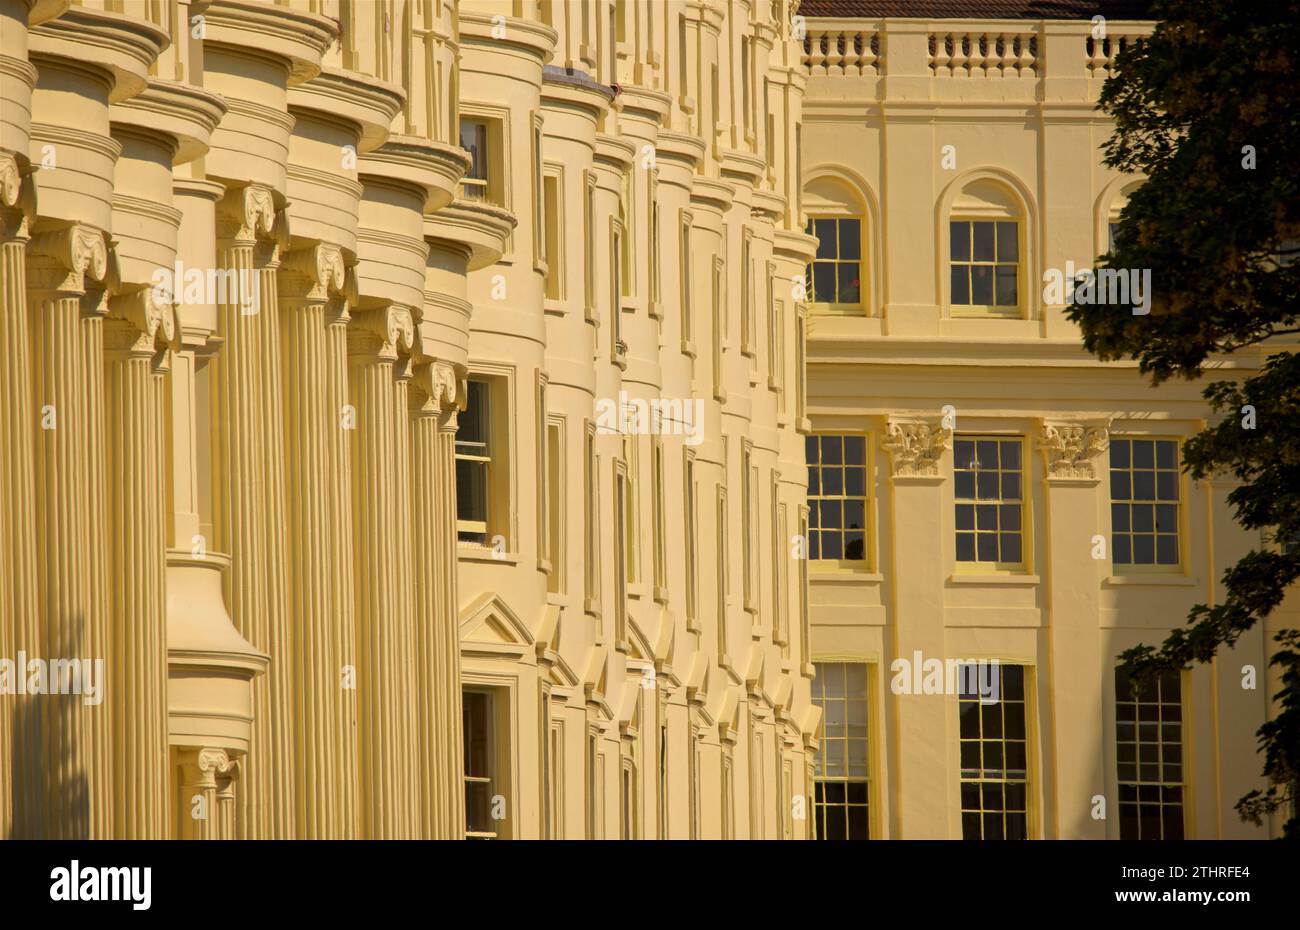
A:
x: 986, y: 272
x: 838, y: 276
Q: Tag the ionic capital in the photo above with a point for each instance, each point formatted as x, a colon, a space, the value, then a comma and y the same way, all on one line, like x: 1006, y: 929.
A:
x: 383, y: 332
x: 203, y: 766
x: 17, y: 199
x: 915, y: 446
x: 139, y: 322
x: 1069, y: 449
x: 442, y: 384
x: 313, y: 274
x: 63, y: 259
x: 246, y: 214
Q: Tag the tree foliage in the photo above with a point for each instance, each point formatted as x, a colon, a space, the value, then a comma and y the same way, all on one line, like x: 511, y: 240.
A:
x: 1207, y: 109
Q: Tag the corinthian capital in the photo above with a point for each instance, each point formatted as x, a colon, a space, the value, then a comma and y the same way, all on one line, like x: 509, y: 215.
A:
x: 383, y: 332
x: 63, y: 259
x: 1069, y: 449
x: 915, y: 446
x: 246, y: 214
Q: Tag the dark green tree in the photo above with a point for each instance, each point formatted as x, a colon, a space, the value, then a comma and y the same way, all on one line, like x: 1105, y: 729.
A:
x: 1208, y: 109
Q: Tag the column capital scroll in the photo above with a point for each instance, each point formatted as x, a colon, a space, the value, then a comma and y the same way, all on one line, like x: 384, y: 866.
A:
x: 385, y: 332
x: 246, y: 214
x: 62, y: 259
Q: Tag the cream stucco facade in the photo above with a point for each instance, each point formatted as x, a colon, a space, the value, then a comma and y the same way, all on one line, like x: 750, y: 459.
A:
x: 406, y: 401
x: 311, y: 419
x: 914, y: 129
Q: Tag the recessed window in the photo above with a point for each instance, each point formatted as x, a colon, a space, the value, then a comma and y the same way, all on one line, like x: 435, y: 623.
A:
x: 474, y: 139
x: 835, y: 275
x: 988, y: 486
x: 1149, y: 756
x: 837, y: 497
x: 841, y: 804
x: 994, y: 754
x: 482, y: 763
x: 1144, y: 503
x: 474, y: 451
x: 985, y: 266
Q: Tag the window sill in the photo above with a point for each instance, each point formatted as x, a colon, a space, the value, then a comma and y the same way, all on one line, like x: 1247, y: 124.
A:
x: 688, y: 348
x: 554, y: 306
x: 1154, y: 579
x: 830, y: 575
x: 1006, y: 579
x: 471, y: 552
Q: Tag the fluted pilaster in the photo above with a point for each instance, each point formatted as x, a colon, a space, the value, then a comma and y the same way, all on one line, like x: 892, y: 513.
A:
x: 137, y: 515
x: 449, y: 737
x: 308, y: 279
x: 385, y: 726
x: 59, y: 264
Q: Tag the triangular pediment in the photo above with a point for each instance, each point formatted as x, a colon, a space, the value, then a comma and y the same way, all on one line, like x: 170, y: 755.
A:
x: 488, y: 624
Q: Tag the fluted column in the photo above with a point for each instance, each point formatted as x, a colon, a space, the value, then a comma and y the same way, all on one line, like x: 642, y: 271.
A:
x: 450, y: 737
x: 98, y: 770
x: 19, y: 732
x: 342, y: 420
x: 437, y: 648
x: 322, y: 733
x: 58, y: 265
x: 385, y: 728
x: 279, y: 708
x: 244, y: 215
x: 137, y: 514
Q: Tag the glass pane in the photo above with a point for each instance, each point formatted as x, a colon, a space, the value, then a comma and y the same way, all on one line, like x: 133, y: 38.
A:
x: 1167, y: 485
x: 1121, y: 488
x: 982, y: 234
x: 855, y: 482
x: 963, y: 453
x: 965, y: 517
x: 832, y: 481
x: 853, y: 515
x: 1119, y: 453
x: 1007, y: 295
x: 850, y: 246
x: 959, y: 241
x: 1166, y: 454
x: 832, y: 449
x: 964, y: 485
x: 850, y: 292
x: 855, y: 450
x: 981, y: 285
x: 1167, y: 550
x: 824, y: 230
x: 1143, y: 453
x: 855, y: 680
x: 961, y: 284
x: 1008, y: 243
x: 965, y: 547
x: 823, y: 282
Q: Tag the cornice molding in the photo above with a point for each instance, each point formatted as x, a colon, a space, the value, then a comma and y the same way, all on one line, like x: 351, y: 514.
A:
x: 187, y: 112
x: 296, y: 37
x: 348, y: 96
x: 122, y: 46
x: 535, y: 38
x: 480, y: 229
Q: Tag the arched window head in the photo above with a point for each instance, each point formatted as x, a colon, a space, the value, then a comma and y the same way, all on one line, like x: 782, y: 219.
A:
x: 836, y: 279
x: 986, y: 245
